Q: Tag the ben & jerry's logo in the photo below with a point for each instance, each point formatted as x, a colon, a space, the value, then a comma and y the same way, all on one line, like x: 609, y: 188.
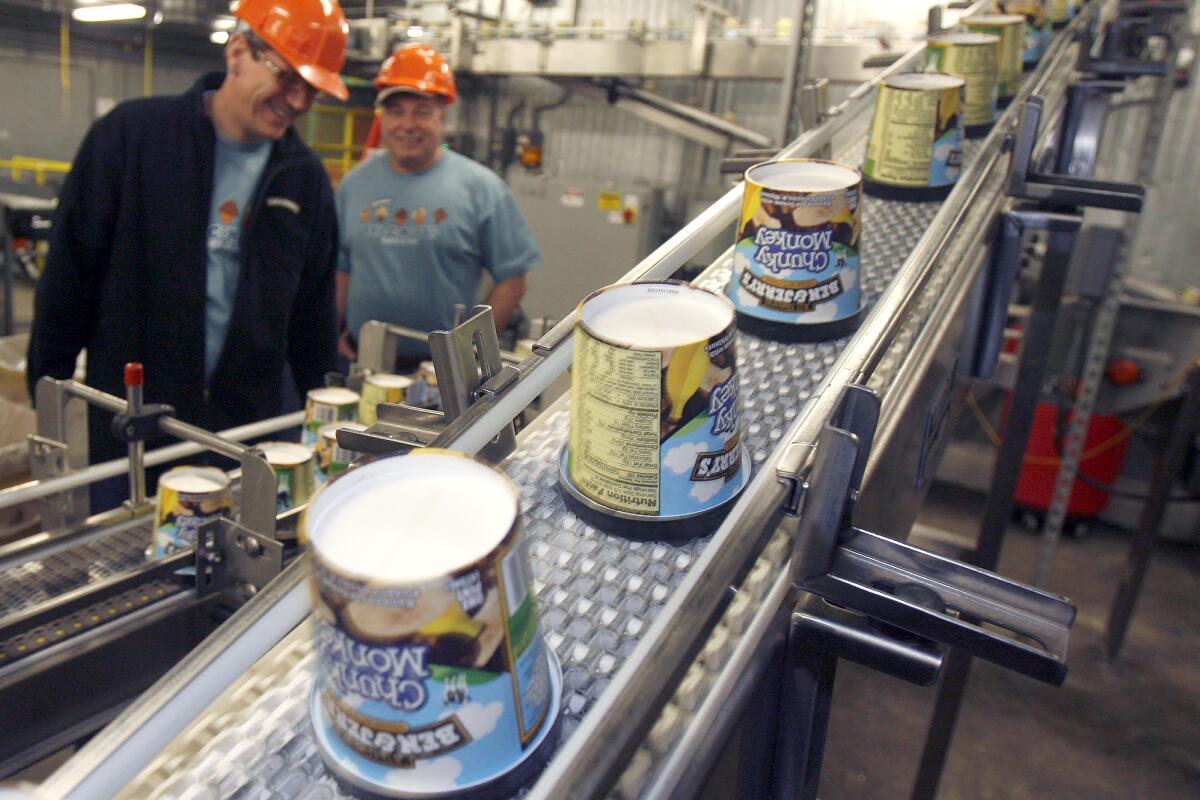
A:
x: 723, y: 463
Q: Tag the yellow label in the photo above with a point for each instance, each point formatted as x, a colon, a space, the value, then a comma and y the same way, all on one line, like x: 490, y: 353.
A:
x: 906, y: 125
x: 616, y: 403
x: 975, y: 64
x: 1061, y: 10
x: 1012, y: 53
x: 372, y: 395
x: 608, y: 201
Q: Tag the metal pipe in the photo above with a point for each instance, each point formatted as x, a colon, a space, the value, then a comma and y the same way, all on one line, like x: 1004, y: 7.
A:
x: 137, y: 470
x: 31, y: 490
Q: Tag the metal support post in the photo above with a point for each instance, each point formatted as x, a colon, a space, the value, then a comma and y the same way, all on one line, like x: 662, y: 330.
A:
x: 1166, y: 468
x: 1092, y: 372
x: 795, y: 72
x: 9, y: 260
x: 1039, y: 329
x: 134, y: 380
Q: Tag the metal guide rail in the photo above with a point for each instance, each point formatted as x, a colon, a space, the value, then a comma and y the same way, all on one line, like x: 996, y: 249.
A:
x: 616, y: 611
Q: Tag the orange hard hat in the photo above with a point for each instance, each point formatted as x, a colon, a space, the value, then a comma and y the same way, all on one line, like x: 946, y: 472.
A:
x: 309, y: 34
x: 416, y: 68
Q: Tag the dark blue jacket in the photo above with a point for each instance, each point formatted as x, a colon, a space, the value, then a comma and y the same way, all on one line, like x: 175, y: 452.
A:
x: 126, y: 272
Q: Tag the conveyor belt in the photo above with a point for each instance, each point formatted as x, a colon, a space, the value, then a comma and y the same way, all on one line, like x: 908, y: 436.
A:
x: 105, y: 555
x: 596, y: 592
x: 84, y: 619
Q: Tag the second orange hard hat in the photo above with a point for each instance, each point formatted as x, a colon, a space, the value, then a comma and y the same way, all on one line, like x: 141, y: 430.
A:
x: 416, y: 68
x: 310, y: 35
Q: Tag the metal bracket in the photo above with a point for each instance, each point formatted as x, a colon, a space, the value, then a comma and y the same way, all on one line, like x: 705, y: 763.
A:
x: 48, y: 459
x: 230, y: 556
x: 844, y: 634
x: 1123, y: 37
x: 1003, y: 270
x: 912, y: 589
x: 137, y: 427
x: 468, y: 366
x: 1060, y: 190
x: 1083, y: 126
x: 258, y: 503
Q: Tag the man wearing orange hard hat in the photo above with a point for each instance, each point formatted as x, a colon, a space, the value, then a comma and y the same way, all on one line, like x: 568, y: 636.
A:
x: 197, y: 235
x: 421, y: 224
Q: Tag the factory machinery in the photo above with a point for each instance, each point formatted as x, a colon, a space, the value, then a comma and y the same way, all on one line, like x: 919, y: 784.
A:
x: 669, y: 649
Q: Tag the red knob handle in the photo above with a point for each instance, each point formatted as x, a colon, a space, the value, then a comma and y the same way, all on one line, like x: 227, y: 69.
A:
x: 134, y: 374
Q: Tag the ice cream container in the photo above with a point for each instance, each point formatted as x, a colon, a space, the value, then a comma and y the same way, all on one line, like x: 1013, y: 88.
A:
x: 379, y: 388
x: 1038, y: 31
x: 424, y: 391
x: 1011, y: 30
x: 432, y: 676
x: 973, y: 57
x: 293, y: 467
x: 654, y: 445
x: 915, y: 147
x: 1061, y: 12
x: 188, y: 497
x: 795, y: 263
x: 331, y: 457
x: 326, y: 405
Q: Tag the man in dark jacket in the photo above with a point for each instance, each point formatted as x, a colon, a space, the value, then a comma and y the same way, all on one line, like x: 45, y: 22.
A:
x: 197, y: 235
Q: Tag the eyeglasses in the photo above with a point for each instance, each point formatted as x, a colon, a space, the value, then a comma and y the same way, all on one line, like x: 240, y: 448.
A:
x: 288, y: 79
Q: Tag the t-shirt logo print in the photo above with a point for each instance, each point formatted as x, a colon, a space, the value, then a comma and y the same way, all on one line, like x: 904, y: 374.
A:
x: 223, y: 234
x: 228, y: 211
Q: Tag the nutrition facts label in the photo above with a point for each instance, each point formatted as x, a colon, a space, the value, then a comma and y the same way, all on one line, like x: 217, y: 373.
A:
x: 976, y: 64
x: 901, y: 143
x: 616, y: 403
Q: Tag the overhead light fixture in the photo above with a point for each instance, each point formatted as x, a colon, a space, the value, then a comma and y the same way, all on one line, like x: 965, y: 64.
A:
x: 224, y: 23
x: 158, y: 18
x: 416, y: 32
x: 109, y: 12
x: 219, y: 37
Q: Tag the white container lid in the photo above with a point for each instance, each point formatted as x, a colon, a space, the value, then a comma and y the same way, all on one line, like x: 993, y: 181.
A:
x: 655, y: 316
x: 411, y: 519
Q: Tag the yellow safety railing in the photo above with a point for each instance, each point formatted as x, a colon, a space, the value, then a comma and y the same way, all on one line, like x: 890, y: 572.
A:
x: 323, y: 124
x: 18, y: 166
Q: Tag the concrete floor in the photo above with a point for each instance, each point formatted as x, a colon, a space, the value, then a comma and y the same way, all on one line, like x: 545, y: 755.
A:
x: 1129, y: 729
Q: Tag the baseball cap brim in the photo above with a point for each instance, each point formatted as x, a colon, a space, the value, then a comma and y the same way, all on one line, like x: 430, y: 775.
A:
x: 324, y: 80
x: 384, y: 94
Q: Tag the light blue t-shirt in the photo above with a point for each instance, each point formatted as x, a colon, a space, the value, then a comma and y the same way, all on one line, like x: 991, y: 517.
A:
x: 417, y: 244
x: 235, y: 176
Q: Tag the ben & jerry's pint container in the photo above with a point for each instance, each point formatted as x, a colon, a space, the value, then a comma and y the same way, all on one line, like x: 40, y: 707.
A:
x: 795, y: 262
x: 915, y: 148
x: 424, y: 391
x: 293, y: 467
x: 974, y: 58
x: 188, y: 497
x: 379, y: 388
x: 654, y: 446
x: 1011, y: 30
x: 1037, y: 28
x: 1061, y: 12
x: 432, y: 676
x: 332, y: 458
x: 325, y: 405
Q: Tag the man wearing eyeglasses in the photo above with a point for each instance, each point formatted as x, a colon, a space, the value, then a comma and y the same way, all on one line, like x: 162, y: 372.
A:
x: 420, y: 224
x: 196, y: 234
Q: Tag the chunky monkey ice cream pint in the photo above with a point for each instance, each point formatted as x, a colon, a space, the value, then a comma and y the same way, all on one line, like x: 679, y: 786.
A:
x: 654, y: 406
x: 188, y: 497
x: 915, y: 148
x: 433, y: 678
x: 325, y: 405
x: 974, y: 57
x: 795, y: 262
